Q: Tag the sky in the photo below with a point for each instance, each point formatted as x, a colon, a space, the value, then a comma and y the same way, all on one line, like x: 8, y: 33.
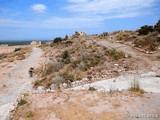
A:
x: 47, y: 19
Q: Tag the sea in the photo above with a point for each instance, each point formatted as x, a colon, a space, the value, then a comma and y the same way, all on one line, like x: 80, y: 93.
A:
x: 19, y: 42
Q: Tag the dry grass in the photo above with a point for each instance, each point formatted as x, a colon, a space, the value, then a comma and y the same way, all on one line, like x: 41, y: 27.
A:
x: 18, y: 54
x: 145, y: 42
x: 77, y: 60
x: 22, y: 102
x: 135, y: 86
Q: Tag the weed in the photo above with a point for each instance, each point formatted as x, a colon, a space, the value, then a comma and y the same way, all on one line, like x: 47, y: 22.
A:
x: 92, y: 89
x: 22, y: 102
x: 49, y: 68
x: 29, y: 114
x: 65, y: 57
x: 135, y: 86
x: 37, y: 83
x: 17, y: 49
x: 114, y: 54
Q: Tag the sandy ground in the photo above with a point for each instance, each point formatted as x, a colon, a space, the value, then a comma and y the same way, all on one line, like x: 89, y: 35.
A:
x: 110, y: 101
x: 87, y: 105
x: 15, y: 79
x: 8, y: 49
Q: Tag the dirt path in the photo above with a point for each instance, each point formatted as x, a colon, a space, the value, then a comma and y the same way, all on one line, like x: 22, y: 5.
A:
x: 129, y: 50
x: 16, y: 80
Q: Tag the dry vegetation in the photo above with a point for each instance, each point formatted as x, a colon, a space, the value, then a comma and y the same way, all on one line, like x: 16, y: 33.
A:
x: 75, y: 59
x: 17, y: 54
x: 81, y: 57
x: 146, y: 42
x: 143, y: 38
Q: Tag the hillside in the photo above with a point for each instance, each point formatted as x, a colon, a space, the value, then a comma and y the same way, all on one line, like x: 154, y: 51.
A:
x: 98, y: 77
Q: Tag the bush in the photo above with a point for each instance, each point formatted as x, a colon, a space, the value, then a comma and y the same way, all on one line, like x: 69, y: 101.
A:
x: 37, y: 83
x: 65, y: 54
x: 22, y: 102
x: 58, y: 79
x: 48, y: 68
x: 65, y: 57
x: 30, y: 114
x: 2, y: 56
x: 114, y: 54
x: 157, y: 26
x: 57, y: 66
x: 148, y: 42
x: 17, y: 49
x: 92, y: 89
x: 144, y: 30
x: 67, y: 75
x: 57, y: 40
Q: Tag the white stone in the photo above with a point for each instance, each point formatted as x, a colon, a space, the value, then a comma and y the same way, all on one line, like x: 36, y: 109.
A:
x: 40, y: 88
x: 64, y: 85
x: 116, y: 65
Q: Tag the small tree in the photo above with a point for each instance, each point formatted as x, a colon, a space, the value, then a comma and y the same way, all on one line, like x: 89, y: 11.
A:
x: 57, y: 40
x: 144, y: 30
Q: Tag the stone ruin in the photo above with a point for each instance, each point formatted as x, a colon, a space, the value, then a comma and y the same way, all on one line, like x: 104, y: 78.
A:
x: 78, y: 34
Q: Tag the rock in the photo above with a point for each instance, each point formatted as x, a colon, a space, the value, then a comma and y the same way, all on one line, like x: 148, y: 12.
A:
x: 85, y: 79
x: 40, y: 88
x: 116, y: 65
x: 52, y: 87
x: 64, y: 85
x: 67, y: 37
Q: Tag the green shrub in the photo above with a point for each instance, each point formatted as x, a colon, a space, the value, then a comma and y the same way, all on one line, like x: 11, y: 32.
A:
x: 65, y: 54
x: 37, y: 83
x: 17, y: 49
x: 92, y: 89
x: 157, y: 26
x: 144, y: 30
x: 22, y: 102
x: 57, y: 40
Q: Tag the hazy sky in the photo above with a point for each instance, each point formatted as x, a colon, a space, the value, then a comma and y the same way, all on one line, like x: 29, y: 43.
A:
x: 46, y: 19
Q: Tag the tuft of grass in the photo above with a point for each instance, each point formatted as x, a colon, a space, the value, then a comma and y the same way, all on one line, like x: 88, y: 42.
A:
x: 114, y: 54
x: 17, y: 49
x: 37, y: 83
x: 49, y: 68
x: 92, y: 89
x: 65, y: 57
x: 135, y: 86
x: 22, y: 102
x: 29, y: 114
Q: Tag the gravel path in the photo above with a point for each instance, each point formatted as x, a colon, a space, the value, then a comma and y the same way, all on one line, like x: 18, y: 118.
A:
x: 17, y: 80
